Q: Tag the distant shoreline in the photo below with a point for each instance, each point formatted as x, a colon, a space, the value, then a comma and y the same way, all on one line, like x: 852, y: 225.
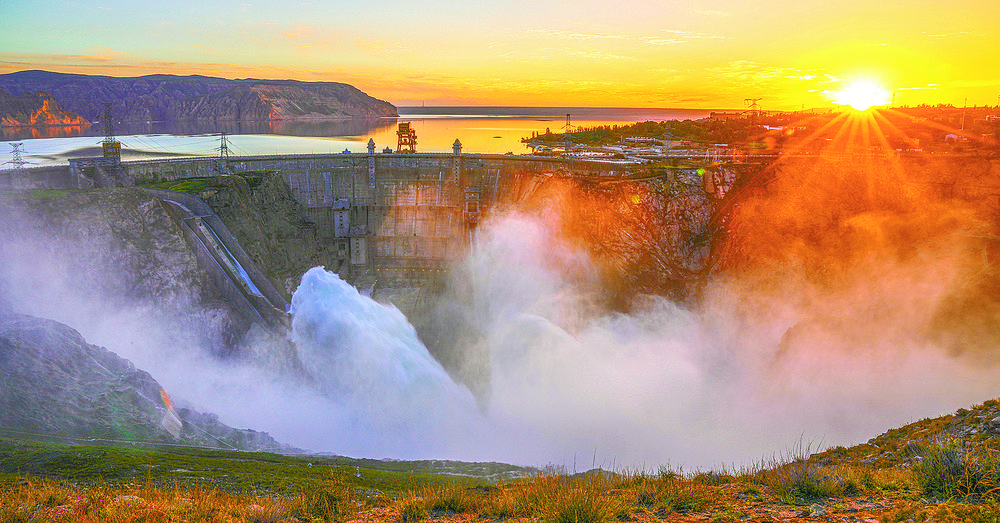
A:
x: 580, y: 113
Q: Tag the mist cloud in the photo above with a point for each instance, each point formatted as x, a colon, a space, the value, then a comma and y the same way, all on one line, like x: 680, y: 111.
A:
x: 835, y: 318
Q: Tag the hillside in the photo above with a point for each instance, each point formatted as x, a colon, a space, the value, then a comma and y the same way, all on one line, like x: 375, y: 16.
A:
x: 171, y: 98
x: 58, y: 385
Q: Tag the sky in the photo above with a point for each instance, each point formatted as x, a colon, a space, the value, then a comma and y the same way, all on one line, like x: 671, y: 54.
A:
x: 633, y: 53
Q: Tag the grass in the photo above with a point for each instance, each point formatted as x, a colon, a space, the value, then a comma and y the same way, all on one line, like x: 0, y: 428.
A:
x: 186, y: 185
x: 198, y: 185
x: 58, y: 482
x: 338, y: 496
x: 230, y: 471
x: 49, y: 193
x: 52, y: 482
x: 948, y: 470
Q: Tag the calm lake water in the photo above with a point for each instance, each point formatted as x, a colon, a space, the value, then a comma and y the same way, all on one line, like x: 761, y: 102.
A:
x: 495, y: 130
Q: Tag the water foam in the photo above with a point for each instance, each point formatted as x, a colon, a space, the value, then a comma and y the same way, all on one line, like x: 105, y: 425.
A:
x: 370, y: 363
x: 568, y: 382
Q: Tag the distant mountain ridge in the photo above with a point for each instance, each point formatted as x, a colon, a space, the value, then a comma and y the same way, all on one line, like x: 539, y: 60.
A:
x: 170, y: 98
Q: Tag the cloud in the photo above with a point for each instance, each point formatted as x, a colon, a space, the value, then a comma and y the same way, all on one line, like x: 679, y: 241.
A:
x: 695, y: 35
x: 680, y: 37
x: 673, y: 37
x: 663, y: 41
x: 582, y: 36
x: 956, y: 34
x: 602, y: 57
x: 125, y: 65
x: 299, y: 32
x: 749, y: 71
x: 41, y: 59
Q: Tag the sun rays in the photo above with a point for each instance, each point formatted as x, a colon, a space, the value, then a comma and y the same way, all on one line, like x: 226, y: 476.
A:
x: 861, y: 95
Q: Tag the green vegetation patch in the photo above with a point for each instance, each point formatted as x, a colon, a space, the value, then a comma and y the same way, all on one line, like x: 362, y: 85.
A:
x: 697, y: 131
x: 186, y: 185
x: 197, y: 185
x: 230, y: 471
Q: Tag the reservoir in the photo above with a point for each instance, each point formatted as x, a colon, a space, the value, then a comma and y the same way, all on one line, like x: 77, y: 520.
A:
x: 494, y: 130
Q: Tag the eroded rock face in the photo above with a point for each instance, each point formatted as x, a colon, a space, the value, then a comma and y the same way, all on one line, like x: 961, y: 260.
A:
x: 53, y: 382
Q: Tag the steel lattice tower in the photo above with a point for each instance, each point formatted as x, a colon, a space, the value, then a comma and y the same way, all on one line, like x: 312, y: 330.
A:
x: 222, y: 162
x: 754, y: 107
x: 223, y: 147
x: 111, y: 147
x: 16, y: 161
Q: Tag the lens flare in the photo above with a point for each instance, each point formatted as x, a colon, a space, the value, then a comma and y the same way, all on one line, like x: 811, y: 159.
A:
x: 861, y: 95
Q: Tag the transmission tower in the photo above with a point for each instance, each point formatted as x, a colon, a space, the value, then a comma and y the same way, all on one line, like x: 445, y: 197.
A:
x: 16, y: 162
x: 222, y: 163
x: 223, y: 146
x: 111, y: 147
x: 753, y: 109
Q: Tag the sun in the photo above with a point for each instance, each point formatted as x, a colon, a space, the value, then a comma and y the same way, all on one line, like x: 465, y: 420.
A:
x: 861, y: 95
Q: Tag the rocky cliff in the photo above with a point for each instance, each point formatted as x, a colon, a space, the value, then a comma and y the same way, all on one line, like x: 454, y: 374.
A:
x: 55, y: 383
x: 171, y: 98
x: 34, y: 109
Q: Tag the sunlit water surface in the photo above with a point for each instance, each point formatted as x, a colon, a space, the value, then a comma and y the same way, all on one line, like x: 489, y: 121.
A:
x: 494, y: 130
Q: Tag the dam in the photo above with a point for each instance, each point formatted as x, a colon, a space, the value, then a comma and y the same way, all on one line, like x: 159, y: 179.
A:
x: 393, y: 220
x: 392, y: 217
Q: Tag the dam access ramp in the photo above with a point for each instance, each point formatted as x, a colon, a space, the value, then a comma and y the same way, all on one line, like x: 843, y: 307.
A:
x: 228, y: 266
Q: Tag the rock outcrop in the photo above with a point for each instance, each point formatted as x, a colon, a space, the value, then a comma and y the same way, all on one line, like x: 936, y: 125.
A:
x: 34, y: 109
x: 173, y: 98
x: 55, y: 383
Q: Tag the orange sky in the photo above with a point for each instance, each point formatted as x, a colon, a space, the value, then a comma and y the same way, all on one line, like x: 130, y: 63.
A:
x: 645, y: 53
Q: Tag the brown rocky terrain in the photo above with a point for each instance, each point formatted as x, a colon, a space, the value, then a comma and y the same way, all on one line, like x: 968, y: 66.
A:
x: 171, y: 98
x: 34, y: 109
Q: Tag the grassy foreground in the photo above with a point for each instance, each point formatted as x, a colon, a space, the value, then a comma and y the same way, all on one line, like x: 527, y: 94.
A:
x: 920, y: 472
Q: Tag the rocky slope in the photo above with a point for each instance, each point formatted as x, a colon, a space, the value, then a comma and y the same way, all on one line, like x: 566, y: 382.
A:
x: 55, y: 383
x: 171, y: 98
x: 83, y: 257
x: 34, y: 109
